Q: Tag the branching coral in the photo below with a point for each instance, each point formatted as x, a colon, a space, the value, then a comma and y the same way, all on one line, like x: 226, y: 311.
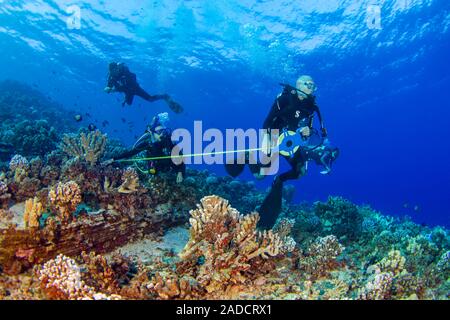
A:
x: 378, y: 288
x: 101, y: 275
x: 393, y: 263
x: 61, y: 279
x: 65, y: 197
x: 20, y: 166
x: 32, y: 213
x: 224, y: 244
x: 130, y: 181
x: 284, y: 228
x: 4, y: 195
x: 321, y: 256
x: 88, y: 147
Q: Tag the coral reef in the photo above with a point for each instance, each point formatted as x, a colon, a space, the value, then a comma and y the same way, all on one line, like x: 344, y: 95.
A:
x: 73, y: 227
x: 228, y: 245
x: 130, y: 181
x: 61, y: 279
x: 321, y: 257
x: 65, y: 198
x: 88, y: 147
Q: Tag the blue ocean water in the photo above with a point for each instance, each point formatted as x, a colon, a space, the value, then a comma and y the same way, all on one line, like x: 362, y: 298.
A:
x: 381, y: 68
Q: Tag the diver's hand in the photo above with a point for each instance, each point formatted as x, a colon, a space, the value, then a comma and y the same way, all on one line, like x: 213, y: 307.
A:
x: 107, y: 162
x: 305, y: 132
x: 179, y: 177
x: 108, y: 89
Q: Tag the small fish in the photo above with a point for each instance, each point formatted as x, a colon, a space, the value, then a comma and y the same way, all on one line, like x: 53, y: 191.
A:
x: 105, y: 123
x: 87, y: 114
x: 92, y: 127
x: 78, y: 117
x: 405, y: 205
x: 416, y: 208
x: 123, y: 120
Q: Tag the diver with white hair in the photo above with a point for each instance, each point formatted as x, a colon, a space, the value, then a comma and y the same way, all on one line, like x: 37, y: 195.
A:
x: 292, y: 114
x: 156, y: 142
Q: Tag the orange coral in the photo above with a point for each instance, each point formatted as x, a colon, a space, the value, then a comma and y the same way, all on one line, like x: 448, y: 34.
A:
x: 32, y: 213
x: 225, y: 245
x: 65, y: 198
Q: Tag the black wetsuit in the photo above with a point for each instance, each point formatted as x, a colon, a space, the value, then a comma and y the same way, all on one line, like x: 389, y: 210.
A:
x: 289, y: 112
x: 156, y: 149
x: 121, y: 79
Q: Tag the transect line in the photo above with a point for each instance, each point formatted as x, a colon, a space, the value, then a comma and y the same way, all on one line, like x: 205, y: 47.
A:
x: 189, y: 155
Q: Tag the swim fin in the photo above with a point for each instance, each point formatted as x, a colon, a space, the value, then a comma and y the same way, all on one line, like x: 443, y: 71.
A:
x: 234, y: 169
x: 174, y: 106
x: 271, y: 206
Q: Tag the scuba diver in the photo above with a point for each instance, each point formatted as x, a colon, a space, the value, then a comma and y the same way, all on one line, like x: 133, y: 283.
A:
x: 121, y: 79
x: 292, y: 114
x: 156, y: 141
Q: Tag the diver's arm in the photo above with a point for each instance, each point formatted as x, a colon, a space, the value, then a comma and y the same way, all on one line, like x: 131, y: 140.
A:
x: 128, y: 154
x: 111, y: 84
x: 322, y: 126
x: 273, y: 113
x: 181, y: 166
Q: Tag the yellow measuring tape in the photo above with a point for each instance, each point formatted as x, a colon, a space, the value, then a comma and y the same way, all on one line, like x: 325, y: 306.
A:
x: 188, y: 155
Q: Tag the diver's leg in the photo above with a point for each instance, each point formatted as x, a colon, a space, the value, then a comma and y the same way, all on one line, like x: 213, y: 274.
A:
x: 128, y: 99
x: 271, y: 206
x: 235, y: 166
x: 324, y: 156
x: 146, y: 96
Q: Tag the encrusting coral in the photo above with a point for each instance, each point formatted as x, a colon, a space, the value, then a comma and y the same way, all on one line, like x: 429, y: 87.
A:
x: 65, y: 197
x: 89, y: 147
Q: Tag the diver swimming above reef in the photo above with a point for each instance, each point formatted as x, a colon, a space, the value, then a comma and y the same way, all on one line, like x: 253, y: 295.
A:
x: 292, y: 114
x: 156, y: 141
x: 121, y: 79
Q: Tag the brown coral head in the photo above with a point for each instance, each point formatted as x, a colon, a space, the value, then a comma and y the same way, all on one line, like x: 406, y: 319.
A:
x: 65, y: 197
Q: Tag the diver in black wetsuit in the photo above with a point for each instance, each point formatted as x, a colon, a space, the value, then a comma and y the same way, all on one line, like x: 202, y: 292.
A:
x: 157, y: 142
x: 121, y: 79
x: 293, y: 110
